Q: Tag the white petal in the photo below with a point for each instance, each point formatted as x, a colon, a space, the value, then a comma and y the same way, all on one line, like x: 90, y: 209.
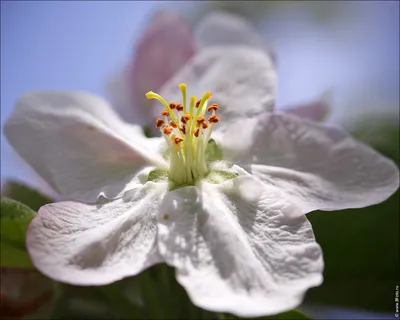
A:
x: 96, y: 244
x: 223, y: 28
x: 242, y: 80
x: 315, y: 166
x: 78, y: 144
x: 234, y: 250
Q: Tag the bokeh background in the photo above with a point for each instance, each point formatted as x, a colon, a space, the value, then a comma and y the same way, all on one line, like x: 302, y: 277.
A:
x: 347, y: 48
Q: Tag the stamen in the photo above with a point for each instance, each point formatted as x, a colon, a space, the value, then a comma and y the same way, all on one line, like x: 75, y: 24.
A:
x: 205, y: 125
x: 152, y: 95
x: 182, y: 129
x: 159, y: 123
x: 179, y: 107
x: 214, y: 107
x: 213, y: 119
x: 199, y: 121
x: 165, y: 113
x: 172, y: 105
x: 173, y: 124
x: 197, y: 103
x: 185, y: 118
x: 178, y: 140
x: 196, y: 132
x: 167, y: 130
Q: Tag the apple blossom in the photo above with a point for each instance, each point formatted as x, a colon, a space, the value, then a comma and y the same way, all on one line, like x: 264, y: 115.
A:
x: 227, y: 213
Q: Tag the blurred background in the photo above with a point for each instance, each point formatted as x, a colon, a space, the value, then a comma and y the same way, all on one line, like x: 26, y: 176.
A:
x: 347, y: 48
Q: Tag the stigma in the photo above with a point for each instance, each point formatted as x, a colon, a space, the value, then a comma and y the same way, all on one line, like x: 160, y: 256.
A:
x: 187, y: 130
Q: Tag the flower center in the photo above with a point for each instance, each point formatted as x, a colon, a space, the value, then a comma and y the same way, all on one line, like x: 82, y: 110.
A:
x: 187, y: 132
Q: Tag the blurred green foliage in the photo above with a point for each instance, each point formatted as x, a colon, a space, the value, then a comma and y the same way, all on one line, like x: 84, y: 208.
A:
x: 15, y: 217
x: 361, y: 246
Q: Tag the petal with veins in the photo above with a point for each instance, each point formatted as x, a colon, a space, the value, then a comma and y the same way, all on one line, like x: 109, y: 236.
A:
x: 242, y: 80
x: 315, y: 166
x: 78, y: 144
x: 96, y: 244
x: 223, y: 28
x: 235, y: 251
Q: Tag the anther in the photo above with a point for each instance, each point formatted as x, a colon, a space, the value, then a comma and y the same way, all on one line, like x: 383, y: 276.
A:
x: 182, y: 128
x: 185, y: 118
x: 178, y: 140
x: 214, y: 107
x: 213, y: 119
x: 172, y: 105
x: 165, y: 112
x: 196, y: 132
x: 159, y: 122
x: 197, y: 103
x: 173, y: 124
x: 205, y: 125
x: 167, y: 130
x: 179, y: 107
x: 199, y: 121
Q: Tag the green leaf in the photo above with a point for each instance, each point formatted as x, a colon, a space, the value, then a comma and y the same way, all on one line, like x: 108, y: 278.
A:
x: 15, y: 218
x: 213, y: 151
x: 22, y: 193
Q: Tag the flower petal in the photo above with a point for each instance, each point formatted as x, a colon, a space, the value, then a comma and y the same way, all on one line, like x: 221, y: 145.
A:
x: 77, y: 144
x: 96, y: 244
x: 162, y: 49
x: 223, y: 28
x: 314, y: 110
x: 315, y: 166
x: 242, y: 80
x: 233, y: 249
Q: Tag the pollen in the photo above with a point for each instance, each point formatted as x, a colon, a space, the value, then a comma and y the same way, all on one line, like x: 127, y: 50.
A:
x: 159, y: 122
x: 178, y: 140
x: 165, y: 112
x: 213, y: 119
x: 167, y: 130
x: 213, y: 107
x: 173, y: 124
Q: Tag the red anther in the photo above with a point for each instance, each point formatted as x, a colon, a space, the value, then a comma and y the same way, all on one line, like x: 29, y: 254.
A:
x: 159, y: 122
x: 182, y: 129
x: 173, y: 124
x: 165, y: 112
x: 196, y: 132
x: 179, y: 107
x: 178, y: 140
x: 214, y: 107
x: 172, y: 105
x: 200, y: 121
x: 197, y: 103
x: 167, y: 130
x: 205, y: 125
x: 185, y: 118
x: 213, y: 119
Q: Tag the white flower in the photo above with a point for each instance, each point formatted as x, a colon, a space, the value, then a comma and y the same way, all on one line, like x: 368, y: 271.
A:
x: 236, y: 234
x: 167, y: 52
